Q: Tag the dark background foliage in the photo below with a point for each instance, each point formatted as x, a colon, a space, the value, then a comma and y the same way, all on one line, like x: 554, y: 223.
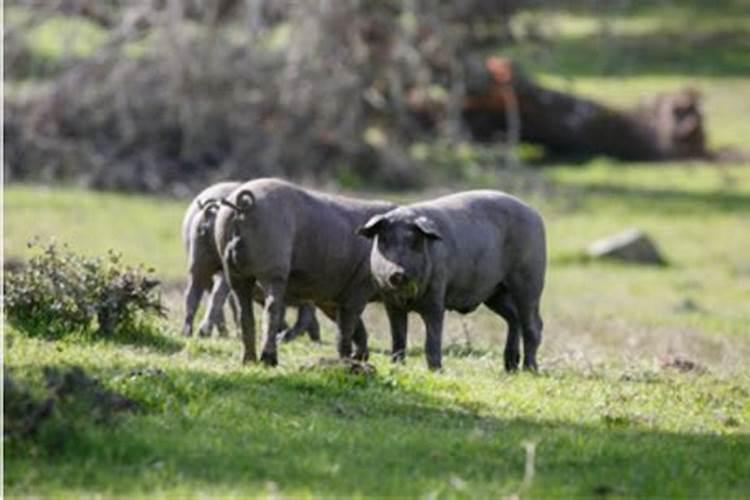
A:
x: 175, y: 93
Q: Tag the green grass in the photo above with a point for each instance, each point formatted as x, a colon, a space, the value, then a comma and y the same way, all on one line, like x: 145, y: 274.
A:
x: 212, y: 427
x: 638, y: 38
x: 145, y: 230
x: 604, y: 415
x: 694, y: 212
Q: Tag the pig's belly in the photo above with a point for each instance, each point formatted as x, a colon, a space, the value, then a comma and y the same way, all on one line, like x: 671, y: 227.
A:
x: 465, y: 300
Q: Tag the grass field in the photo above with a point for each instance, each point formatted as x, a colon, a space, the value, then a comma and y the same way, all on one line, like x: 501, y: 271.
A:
x: 212, y: 427
x: 606, y: 416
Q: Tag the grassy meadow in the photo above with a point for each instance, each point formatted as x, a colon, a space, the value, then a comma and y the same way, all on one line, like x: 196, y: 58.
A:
x: 608, y: 415
x: 604, y: 415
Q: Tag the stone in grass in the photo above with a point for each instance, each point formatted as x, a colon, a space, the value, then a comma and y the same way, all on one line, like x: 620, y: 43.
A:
x: 632, y: 245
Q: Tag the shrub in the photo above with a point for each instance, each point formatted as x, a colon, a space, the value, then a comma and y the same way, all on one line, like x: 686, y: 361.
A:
x: 61, y: 292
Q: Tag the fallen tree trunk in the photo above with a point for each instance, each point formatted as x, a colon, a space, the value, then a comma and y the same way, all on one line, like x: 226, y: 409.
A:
x: 669, y: 126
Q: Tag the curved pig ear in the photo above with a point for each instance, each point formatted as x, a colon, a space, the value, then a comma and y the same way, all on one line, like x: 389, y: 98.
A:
x: 211, y: 208
x: 245, y: 199
x: 372, y: 226
x: 209, y: 204
x: 427, y: 227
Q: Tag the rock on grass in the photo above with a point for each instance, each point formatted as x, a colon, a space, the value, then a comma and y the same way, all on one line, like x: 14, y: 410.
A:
x: 632, y: 245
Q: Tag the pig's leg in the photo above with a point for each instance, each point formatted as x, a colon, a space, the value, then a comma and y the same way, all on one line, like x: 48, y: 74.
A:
x: 242, y: 289
x: 433, y: 321
x: 525, y: 287
x: 215, y: 310
x: 260, y: 299
x: 347, y: 319
x: 306, y: 322
x: 531, y: 327
x: 273, y: 318
x: 311, y: 322
x: 360, y: 332
x: 398, y: 319
x: 234, y: 307
x: 362, y: 352
x: 196, y: 285
x: 502, y: 304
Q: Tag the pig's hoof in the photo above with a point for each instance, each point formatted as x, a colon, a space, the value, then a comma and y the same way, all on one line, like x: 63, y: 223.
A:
x: 249, y: 358
x: 281, y: 336
x: 398, y: 357
x: 287, y: 335
x: 269, y: 358
x: 511, y: 362
x: 361, y: 355
x: 314, y: 333
x: 204, y: 333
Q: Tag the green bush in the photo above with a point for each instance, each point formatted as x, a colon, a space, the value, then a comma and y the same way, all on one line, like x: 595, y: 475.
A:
x: 60, y: 292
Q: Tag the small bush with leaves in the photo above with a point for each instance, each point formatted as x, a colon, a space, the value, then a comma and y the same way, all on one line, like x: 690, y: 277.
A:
x: 61, y: 292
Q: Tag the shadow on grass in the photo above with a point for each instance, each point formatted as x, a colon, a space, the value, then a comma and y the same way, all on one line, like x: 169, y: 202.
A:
x: 150, y: 338
x: 334, y: 434
x: 147, y: 336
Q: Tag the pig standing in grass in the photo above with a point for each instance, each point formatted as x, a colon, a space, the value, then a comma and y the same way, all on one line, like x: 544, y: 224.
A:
x: 205, y: 272
x: 204, y: 263
x: 457, y: 252
x: 297, y: 244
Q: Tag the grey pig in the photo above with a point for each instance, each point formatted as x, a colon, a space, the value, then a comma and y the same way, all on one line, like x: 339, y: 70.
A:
x: 457, y: 252
x: 297, y: 244
x: 205, y: 270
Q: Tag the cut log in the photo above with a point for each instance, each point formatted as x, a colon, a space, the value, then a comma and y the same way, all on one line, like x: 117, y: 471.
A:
x: 669, y: 126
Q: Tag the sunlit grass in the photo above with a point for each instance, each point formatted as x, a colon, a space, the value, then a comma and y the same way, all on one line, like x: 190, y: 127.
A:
x: 605, y: 417
x: 694, y: 212
x: 210, y: 426
x: 144, y: 229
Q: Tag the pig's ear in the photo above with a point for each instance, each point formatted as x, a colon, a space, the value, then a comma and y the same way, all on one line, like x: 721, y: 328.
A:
x: 209, y: 204
x: 372, y: 226
x: 245, y: 199
x: 427, y: 227
x: 211, y: 208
